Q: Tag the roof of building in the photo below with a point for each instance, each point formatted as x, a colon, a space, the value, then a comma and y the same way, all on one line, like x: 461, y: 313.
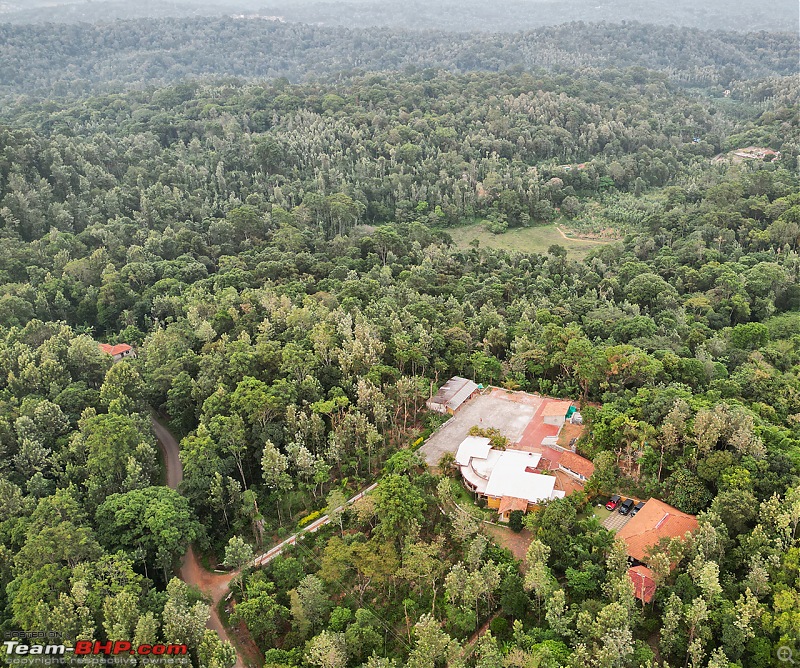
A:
x: 506, y: 473
x: 556, y: 409
x: 454, y: 392
x: 479, y: 470
x: 511, y: 503
x: 512, y: 475
x: 574, y: 462
x: 462, y: 395
x: 473, y: 446
x: 656, y: 520
x: 644, y: 586
x: 115, y: 350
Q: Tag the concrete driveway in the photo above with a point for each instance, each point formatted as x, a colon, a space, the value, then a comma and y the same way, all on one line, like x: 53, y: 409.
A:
x: 489, y: 410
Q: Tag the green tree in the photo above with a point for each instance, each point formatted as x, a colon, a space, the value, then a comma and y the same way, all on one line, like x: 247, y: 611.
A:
x: 155, y: 520
x: 327, y: 650
x: 237, y: 553
x: 261, y: 611
x: 399, y: 504
x: 184, y: 619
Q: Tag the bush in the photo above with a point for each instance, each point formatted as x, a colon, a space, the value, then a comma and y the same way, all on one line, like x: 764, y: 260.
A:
x: 447, y: 463
x: 499, y: 628
x: 497, y: 226
x: 309, y: 518
x: 434, y: 420
x: 516, y: 520
x: 496, y: 439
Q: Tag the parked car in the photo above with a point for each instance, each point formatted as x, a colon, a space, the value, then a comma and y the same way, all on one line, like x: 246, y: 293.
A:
x: 626, y: 506
x: 637, y: 508
x: 613, y: 502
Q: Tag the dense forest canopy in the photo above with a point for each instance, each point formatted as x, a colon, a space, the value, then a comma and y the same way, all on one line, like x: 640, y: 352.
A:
x: 280, y: 255
x: 68, y: 60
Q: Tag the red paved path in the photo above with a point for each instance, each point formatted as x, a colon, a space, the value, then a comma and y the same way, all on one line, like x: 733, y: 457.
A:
x: 536, y: 430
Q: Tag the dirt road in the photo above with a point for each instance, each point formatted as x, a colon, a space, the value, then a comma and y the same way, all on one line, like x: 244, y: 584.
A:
x: 586, y: 241
x: 170, y: 450
x: 214, y: 585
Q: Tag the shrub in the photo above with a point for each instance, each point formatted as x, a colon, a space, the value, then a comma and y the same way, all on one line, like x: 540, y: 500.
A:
x: 309, y: 518
x: 447, y: 463
x: 499, y: 628
x: 496, y: 439
x: 515, y: 520
x: 434, y: 420
x: 497, y: 226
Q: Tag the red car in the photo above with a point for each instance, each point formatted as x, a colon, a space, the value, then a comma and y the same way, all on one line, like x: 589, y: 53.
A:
x: 613, y: 502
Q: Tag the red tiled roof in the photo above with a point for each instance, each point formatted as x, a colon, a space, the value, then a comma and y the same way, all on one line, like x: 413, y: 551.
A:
x: 115, y: 350
x: 644, y: 585
x: 575, y: 462
x: 508, y: 503
x: 656, y: 520
x: 551, y: 457
x: 555, y: 408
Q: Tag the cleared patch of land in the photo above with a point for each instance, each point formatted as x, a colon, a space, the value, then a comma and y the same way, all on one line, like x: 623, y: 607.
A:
x: 486, y: 411
x: 517, y: 543
x: 535, y: 239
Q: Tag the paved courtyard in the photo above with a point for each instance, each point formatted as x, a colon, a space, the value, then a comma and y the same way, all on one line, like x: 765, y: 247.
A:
x: 487, y: 410
x: 615, y: 521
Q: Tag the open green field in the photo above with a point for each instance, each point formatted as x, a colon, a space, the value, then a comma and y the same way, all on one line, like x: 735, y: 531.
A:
x: 523, y: 239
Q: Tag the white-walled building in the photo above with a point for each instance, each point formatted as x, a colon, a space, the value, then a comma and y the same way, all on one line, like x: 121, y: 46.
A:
x: 507, y: 479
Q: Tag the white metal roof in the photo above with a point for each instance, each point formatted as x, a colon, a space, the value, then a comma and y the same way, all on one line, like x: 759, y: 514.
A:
x: 462, y: 395
x: 480, y: 470
x: 472, y: 446
x: 449, y: 390
x: 509, y: 477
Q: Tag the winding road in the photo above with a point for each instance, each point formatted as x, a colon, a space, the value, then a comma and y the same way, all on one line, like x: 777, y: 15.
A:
x: 216, y: 585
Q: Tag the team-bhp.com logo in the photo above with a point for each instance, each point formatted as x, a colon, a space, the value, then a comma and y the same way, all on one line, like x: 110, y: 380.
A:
x: 87, y: 648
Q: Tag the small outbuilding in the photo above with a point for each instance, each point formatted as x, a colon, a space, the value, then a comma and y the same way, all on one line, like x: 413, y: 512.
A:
x: 452, y: 395
x: 644, y: 584
x: 118, y: 351
x: 555, y: 412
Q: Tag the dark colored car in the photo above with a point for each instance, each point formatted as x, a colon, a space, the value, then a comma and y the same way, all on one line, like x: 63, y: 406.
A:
x: 637, y: 508
x: 626, y: 506
x: 613, y: 502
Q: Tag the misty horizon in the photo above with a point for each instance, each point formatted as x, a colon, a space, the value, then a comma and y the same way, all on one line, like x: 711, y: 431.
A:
x: 464, y: 15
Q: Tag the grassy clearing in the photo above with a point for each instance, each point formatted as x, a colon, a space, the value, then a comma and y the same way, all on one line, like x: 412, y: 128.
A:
x: 601, y: 513
x: 523, y: 239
